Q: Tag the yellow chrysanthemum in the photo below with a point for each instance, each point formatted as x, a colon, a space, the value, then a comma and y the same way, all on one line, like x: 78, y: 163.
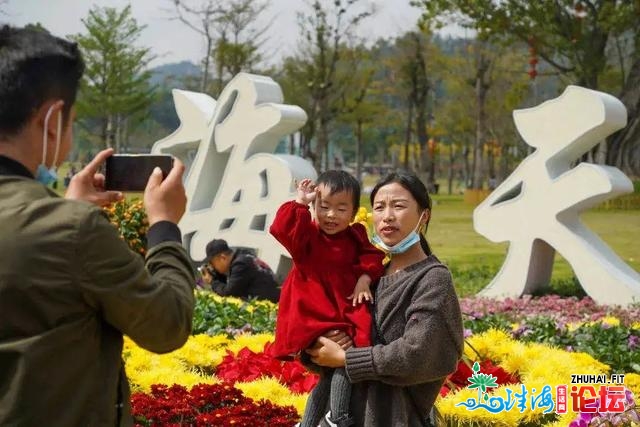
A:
x: 254, y: 343
x: 572, y: 326
x: 270, y: 389
x: 456, y: 414
x: 563, y: 421
x: 538, y: 365
x: 610, y: 320
x: 202, y: 352
x: 632, y: 382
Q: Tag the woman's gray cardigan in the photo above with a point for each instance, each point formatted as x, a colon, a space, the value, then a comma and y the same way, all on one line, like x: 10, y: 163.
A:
x: 418, y: 343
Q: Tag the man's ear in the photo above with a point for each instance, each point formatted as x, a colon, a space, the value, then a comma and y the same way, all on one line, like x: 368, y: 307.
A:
x: 48, y: 113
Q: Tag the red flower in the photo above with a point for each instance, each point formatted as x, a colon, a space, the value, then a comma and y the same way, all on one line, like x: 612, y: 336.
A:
x: 249, y: 366
x: 206, y: 405
x: 460, y: 378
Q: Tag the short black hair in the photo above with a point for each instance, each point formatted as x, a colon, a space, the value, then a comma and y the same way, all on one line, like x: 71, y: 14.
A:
x: 339, y: 180
x: 35, y: 67
x: 217, y: 246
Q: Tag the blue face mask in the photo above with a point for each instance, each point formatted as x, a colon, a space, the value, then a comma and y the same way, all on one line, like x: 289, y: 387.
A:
x: 44, y: 174
x: 403, y: 245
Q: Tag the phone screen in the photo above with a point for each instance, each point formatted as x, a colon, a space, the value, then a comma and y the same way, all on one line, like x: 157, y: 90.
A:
x: 124, y: 172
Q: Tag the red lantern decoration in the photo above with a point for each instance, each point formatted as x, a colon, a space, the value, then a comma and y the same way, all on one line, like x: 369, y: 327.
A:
x: 432, y: 146
x: 533, y: 59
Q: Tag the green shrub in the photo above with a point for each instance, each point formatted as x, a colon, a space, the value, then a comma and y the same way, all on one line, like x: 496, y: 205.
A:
x: 130, y: 219
x: 218, y: 315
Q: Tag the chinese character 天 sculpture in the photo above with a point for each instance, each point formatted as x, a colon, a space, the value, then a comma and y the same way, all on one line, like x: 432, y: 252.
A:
x: 537, y: 208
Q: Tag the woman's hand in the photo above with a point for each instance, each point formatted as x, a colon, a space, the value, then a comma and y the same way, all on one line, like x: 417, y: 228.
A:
x: 327, y: 353
x: 339, y: 337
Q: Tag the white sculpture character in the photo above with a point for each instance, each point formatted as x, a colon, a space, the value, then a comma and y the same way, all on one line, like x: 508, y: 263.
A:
x: 537, y: 207
x: 234, y: 183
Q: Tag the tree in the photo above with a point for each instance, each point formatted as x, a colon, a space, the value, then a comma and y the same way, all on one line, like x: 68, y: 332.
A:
x: 231, y: 37
x: 201, y: 19
x: 293, y: 77
x: 238, y: 47
x: 325, y: 31
x: 473, y: 153
x: 416, y: 80
x: 115, y: 89
x: 625, y: 145
x: 572, y: 36
x: 360, y: 104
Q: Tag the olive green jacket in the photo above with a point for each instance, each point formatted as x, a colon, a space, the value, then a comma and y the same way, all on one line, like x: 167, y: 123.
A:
x: 69, y: 289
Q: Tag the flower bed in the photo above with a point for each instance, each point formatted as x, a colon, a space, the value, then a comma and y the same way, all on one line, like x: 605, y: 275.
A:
x: 235, y: 357
x: 206, y: 405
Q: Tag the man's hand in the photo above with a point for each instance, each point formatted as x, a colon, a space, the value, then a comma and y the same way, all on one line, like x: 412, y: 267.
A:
x: 362, y: 291
x: 165, y: 200
x: 206, y: 276
x: 88, y: 184
x: 306, y: 192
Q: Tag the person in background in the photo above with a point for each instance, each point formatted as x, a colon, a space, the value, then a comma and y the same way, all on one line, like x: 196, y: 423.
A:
x: 328, y: 287
x: 418, y: 334
x: 238, y: 272
x: 70, y: 287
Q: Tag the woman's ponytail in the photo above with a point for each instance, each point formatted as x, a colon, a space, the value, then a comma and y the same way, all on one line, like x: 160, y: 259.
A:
x: 425, y: 245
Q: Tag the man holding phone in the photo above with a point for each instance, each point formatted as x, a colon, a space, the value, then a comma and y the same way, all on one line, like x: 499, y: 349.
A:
x: 69, y: 286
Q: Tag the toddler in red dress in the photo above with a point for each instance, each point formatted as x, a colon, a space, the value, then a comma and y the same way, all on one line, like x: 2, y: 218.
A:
x: 334, y: 265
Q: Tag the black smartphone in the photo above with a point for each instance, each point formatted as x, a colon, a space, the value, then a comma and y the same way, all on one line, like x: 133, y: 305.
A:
x: 131, y: 172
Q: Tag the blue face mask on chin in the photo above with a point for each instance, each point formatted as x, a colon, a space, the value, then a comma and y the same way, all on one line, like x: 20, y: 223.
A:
x: 403, y: 245
x: 46, y: 175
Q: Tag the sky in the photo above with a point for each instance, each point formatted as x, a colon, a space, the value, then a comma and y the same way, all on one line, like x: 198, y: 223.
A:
x: 173, y: 41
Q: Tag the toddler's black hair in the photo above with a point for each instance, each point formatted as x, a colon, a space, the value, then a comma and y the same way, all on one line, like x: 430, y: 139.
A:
x: 338, y: 180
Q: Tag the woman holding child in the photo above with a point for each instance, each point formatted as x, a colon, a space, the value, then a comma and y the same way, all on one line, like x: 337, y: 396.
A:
x: 417, y: 335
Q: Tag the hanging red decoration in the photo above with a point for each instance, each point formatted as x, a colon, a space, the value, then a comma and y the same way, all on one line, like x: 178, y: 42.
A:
x: 533, y: 59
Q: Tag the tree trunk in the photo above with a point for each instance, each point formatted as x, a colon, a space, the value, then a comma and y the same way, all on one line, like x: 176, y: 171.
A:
x: 450, y: 171
x: 107, y: 132
x: 204, y: 82
x: 117, y: 134
x: 622, y: 153
x: 481, y: 94
x: 407, y: 137
x: 467, y: 166
x: 481, y: 88
x: 104, y: 132
x: 322, y: 141
x: 359, y: 151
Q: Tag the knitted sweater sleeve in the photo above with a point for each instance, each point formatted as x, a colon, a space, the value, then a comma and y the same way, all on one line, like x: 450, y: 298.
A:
x: 430, y: 345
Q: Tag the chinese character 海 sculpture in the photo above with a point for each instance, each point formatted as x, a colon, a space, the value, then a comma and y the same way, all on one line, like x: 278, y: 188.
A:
x: 537, y: 208
x: 234, y: 182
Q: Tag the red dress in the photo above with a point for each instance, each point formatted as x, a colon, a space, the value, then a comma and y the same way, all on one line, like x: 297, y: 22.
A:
x: 324, y: 273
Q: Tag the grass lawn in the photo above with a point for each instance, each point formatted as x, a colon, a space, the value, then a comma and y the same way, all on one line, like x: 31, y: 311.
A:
x: 454, y: 240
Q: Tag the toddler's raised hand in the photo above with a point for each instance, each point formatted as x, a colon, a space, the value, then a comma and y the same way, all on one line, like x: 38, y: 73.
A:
x: 306, y: 191
x: 362, y: 291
